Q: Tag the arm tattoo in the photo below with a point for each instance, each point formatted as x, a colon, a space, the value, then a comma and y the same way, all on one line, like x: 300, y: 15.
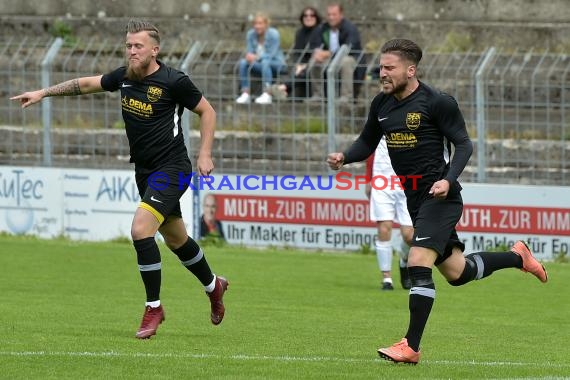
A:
x: 70, y: 87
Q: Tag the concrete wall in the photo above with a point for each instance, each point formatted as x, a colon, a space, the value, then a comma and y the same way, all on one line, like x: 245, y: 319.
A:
x: 409, y: 10
x: 453, y: 24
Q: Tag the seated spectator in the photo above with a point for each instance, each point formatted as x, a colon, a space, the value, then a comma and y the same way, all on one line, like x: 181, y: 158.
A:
x: 263, y: 57
x: 337, y: 31
x: 305, y: 37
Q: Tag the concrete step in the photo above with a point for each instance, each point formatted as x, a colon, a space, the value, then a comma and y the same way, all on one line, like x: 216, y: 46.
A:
x: 249, y: 146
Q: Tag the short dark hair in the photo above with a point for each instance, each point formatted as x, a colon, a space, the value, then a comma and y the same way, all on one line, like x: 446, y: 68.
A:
x: 312, y: 9
x: 336, y: 5
x: 135, y: 26
x: 406, y: 49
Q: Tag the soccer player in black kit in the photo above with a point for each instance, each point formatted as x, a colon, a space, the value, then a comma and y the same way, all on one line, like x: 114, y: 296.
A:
x: 420, y: 124
x: 153, y: 97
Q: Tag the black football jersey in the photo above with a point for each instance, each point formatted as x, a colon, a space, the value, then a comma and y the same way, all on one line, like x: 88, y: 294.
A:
x: 419, y: 131
x: 152, y: 111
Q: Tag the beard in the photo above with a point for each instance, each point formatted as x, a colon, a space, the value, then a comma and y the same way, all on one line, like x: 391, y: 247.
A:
x: 137, y: 74
x: 396, y: 88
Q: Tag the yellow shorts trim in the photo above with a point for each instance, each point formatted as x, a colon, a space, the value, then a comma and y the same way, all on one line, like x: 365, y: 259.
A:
x: 157, y: 214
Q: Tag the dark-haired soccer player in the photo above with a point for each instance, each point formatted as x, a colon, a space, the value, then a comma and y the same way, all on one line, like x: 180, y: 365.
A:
x: 420, y: 124
x: 153, y: 97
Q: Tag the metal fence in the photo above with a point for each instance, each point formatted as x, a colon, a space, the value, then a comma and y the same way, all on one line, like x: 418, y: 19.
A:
x: 514, y: 103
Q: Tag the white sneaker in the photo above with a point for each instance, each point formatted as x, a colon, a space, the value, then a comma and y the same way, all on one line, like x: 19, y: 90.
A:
x: 244, y: 98
x: 265, y: 98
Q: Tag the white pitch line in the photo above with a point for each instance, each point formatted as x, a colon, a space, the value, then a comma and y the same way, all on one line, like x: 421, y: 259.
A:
x: 270, y: 358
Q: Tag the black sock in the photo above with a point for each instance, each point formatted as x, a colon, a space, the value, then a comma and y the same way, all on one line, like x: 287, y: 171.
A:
x: 481, y: 264
x: 193, y: 258
x: 422, y: 295
x: 488, y: 262
x: 148, y: 257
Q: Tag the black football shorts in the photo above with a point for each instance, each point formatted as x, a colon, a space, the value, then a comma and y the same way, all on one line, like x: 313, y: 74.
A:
x: 161, y: 190
x: 434, y: 225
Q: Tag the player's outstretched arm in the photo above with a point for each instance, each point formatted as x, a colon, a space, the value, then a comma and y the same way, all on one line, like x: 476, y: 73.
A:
x: 77, y: 86
x: 207, y: 127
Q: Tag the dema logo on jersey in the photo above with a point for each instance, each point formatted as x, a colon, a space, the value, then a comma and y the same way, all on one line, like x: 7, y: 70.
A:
x: 153, y: 93
x: 413, y: 120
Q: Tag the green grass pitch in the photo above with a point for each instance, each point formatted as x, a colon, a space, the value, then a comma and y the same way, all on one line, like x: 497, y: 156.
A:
x: 70, y: 310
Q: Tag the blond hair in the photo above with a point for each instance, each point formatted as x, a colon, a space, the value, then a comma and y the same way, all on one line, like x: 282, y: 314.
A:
x: 264, y: 16
x: 135, y: 26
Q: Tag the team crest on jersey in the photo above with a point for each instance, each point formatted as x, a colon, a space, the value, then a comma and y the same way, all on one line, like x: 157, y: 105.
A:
x: 153, y: 93
x: 413, y: 120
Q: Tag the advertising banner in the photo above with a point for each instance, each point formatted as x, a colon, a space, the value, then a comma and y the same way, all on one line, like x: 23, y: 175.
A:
x: 335, y: 215
x: 328, y: 213
x: 98, y: 204
x: 30, y: 201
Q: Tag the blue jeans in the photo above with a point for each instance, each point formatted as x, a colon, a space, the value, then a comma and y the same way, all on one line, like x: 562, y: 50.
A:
x: 267, y: 69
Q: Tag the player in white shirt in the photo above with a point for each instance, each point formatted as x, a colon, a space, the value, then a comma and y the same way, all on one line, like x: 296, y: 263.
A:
x: 387, y: 206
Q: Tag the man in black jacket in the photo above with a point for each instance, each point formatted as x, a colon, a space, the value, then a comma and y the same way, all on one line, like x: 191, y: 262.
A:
x: 209, y: 225
x: 337, y: 31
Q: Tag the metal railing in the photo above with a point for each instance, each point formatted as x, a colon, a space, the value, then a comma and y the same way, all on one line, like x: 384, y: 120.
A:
x: 332, y: 73
x: 514, y: 103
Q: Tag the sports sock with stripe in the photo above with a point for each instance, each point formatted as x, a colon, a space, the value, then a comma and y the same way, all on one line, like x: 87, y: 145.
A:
x: 148, y: 258
x: 482, y: 264
x: 422, y: 296
x: 193, y: 258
